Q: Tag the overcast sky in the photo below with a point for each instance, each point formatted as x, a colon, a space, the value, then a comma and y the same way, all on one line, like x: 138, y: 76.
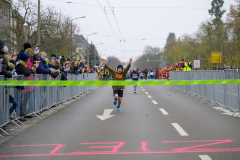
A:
x: 135, y: 23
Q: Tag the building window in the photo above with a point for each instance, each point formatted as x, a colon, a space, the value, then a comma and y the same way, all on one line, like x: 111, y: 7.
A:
x: 80, y: 51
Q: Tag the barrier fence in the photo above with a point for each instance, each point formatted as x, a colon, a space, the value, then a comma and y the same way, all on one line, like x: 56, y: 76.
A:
x: 225, y: 95
x: 34, y: 99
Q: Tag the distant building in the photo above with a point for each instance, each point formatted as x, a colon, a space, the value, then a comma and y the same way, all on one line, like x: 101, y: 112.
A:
x: 5, y: 18
x: 81, y: 45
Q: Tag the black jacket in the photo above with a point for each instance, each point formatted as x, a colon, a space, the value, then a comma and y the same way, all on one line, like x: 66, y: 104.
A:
x: 21, y: 70
x: 5, y: 68
x: 54, y: 75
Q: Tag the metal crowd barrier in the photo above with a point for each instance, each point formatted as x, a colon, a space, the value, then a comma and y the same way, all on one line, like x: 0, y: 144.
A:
x: 32, y: 100
x: 225, y: 95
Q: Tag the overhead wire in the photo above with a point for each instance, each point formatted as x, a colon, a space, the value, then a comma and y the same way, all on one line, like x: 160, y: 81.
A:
x: 108, y: 20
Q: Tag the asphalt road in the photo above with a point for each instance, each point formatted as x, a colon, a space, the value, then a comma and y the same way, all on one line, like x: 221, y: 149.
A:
x: 160, y: 124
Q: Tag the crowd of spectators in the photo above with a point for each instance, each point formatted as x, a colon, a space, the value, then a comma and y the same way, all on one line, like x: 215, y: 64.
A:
x: 29, y: 62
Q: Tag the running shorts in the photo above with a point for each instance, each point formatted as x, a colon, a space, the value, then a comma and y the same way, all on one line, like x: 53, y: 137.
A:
x: 119, y: 92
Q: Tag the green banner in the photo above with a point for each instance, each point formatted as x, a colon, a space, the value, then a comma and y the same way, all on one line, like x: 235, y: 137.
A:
x: 115, y: 83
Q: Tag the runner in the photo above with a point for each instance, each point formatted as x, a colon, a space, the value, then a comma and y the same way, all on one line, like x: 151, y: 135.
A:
x: 118, y: 75
x: 134, y: 77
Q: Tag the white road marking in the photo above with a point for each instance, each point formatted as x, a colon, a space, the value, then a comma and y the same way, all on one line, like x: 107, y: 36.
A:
x: 163, y: 111
x: 154, y: 102
x: 179, y: 129
x: 149, y: 96
x: 106, y: 114
x: 146, y: 92
x: 205, y: 157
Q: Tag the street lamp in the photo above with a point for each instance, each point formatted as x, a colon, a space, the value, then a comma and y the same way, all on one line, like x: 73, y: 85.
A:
x: 25, y: 26
x: 71, y: 35
x: 88, y: 48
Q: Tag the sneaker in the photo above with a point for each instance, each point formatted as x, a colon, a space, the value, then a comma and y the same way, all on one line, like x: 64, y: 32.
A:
x: 118, y: 109
x: 135, y: 92
x: 115, y: 102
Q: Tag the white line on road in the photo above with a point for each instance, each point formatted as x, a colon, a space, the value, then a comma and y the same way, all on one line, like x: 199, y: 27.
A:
x: 179, y: 129
x: 149, y: 96
x: 163, y: 111
x: 205, y: 157
x: 146, y: 92
x: 154, y: 102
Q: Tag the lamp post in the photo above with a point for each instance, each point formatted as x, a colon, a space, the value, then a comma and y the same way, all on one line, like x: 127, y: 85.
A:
x: 39, y: 23
x: 88, y: 48
x: 71, y: 35
x: 25, y: 26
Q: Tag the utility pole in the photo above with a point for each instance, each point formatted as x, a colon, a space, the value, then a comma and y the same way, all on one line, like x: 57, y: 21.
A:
x: 39, y: 23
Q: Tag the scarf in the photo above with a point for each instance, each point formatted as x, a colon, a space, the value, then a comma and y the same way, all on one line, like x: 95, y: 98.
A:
x: 23, y: 63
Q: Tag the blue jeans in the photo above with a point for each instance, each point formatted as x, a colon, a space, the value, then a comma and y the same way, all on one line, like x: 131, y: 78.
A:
x: 14, y: 106
x: 135, y: 88
x: 151, y: 76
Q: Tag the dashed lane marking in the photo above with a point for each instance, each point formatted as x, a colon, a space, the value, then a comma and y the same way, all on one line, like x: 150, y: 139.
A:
x: 149, y: 96
x: 205, y: 157
x: 154, y: 102
x: 163, y: 111
x: 146, y: 92
x: 179, y: 129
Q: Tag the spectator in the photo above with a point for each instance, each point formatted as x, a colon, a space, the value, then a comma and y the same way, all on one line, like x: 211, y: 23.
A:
x: 42, y: 68
x: 51, y: 65
x: 82, y: 64
x: 157, y: 73
x: 10, y: 65
x: 74, y: 69
x: 26, y: 45
x: 13, y: 59
x: 59, y: 66
x: 151, y: 74
x: 30, y: 52
x: 21, y: 65
x: 3, y: 50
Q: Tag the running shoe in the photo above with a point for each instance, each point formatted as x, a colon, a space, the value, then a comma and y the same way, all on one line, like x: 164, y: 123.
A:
x: 114, y: 102
x: 118, y: 109
x: 135, y: 92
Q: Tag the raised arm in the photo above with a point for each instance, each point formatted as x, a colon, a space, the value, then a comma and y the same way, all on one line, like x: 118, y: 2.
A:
x: 128, y: 67
x: 108, y: 67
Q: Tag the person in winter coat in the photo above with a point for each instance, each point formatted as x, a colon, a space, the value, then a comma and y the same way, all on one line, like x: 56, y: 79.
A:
x: 5, y: 68
x: 42, y: 68
x: 135, y: 76
x: 21, y: 65
x: 51, y: 65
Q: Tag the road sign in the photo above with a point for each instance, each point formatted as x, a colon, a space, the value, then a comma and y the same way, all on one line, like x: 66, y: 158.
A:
x: 216, y: 57
x: 196, y: 64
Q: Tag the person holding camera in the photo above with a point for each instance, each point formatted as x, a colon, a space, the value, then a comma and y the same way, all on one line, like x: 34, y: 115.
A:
x: 187, y: 66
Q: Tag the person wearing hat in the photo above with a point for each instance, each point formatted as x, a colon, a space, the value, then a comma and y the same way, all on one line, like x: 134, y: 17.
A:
x: 4, y: 63
x: 120, y: 75
x: 22, y: 65
x: 187, y: 66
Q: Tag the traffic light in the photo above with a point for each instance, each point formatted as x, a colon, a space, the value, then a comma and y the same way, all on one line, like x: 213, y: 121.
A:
x: 147, y: 59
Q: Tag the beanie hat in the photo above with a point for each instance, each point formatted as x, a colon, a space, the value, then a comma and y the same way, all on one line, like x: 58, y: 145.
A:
x: 63, y: 59
x: 68, y: 59
x: 2, y: 44
x: 53, y: 55
x: 27, y: 45
x: 36, y: 57
x: 24, y: 57
x: 120, y: 66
